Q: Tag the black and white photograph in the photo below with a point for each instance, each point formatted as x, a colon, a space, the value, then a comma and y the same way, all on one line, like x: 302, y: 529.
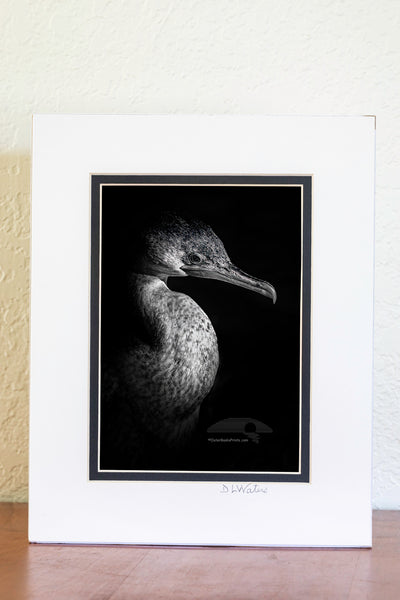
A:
x: 200, y: 327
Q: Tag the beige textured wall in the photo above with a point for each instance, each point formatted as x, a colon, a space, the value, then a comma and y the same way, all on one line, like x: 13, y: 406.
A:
x: 14, y: 319
x: 196, y: 56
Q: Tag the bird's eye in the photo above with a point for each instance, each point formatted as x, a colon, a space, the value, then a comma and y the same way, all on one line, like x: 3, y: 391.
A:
x: 194, y: 258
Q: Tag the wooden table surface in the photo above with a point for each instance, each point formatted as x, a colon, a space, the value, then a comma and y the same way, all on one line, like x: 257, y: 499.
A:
x: 128, y: 572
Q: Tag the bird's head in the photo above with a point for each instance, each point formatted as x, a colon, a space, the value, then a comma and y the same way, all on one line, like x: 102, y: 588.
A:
x: 178, y: 247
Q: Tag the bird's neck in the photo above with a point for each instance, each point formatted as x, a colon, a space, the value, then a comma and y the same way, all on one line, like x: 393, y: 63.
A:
x: 157, y: 270
x: 148, y: 295
x: 141, y: 283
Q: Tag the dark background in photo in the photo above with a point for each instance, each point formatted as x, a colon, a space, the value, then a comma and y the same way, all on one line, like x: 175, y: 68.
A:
x: 259, y: 342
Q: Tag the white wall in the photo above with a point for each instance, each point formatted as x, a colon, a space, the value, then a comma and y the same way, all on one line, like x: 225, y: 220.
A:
x: 189, y: 56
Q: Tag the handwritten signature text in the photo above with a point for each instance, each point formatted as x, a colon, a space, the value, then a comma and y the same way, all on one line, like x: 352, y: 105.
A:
x: 242, y: 488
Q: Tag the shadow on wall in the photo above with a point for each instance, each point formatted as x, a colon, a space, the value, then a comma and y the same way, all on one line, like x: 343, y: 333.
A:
x: 14, y: 325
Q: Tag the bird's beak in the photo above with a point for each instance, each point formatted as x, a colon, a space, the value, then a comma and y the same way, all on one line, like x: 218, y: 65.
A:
x: 234, y: 275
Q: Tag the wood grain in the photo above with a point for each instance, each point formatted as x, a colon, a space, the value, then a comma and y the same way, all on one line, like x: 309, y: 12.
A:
x: 66, y: 572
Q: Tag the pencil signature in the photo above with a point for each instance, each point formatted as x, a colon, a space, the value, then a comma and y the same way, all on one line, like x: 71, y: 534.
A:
x: 243, y: 488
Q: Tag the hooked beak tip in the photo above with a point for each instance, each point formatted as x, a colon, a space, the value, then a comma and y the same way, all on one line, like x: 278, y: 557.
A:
x: 269, y: 292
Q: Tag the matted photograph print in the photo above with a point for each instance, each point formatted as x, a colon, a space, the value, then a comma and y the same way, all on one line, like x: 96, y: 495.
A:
x: 200, y: 327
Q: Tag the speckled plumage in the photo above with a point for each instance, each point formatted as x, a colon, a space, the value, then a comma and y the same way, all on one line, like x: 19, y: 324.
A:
x: 171, y: 372
x: 153, y: 388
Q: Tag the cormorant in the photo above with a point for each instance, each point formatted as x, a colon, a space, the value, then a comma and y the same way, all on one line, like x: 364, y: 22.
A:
x: 153, y: 387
